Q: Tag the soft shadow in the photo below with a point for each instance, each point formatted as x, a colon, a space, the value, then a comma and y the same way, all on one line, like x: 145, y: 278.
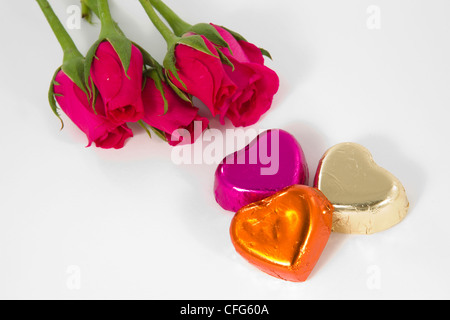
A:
x: 206, y: 220
x: 393, y: 158
x: 335, y: 242
x: 313, y: 143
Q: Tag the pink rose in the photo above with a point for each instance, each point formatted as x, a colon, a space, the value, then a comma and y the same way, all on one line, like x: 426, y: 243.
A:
x: 97, y: 127
x: 204, y: 77
x: 256, y: 83
x: 180, y: 114
x: 121, y: 93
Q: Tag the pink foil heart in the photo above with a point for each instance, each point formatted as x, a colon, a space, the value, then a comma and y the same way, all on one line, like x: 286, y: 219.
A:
x: 270, y: 163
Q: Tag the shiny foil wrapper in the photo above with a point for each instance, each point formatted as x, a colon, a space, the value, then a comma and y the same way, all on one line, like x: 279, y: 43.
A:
x: 270, y: 163
x: 367, y: 198
x: 284, y: 234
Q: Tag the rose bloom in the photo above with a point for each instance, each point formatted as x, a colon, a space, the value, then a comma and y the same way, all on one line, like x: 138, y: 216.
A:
x: 204, y: 77
x: 256, y: 83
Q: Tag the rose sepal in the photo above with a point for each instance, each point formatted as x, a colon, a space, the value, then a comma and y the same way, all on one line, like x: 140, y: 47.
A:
x: 109, y: 32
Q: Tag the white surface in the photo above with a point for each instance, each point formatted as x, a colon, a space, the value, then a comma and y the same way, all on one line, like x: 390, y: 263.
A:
x: 81, y: 222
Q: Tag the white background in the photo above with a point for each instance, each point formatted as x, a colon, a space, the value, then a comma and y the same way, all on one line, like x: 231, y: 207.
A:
x: 80, y: 222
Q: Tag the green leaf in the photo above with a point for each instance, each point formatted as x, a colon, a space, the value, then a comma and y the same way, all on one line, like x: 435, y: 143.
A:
x: 225, y: 59
x: 160, y: 70
x: 239, y: 37
x: 52, y: 100
x: 88, y: 63
x: 211, y: 34
x: 183, y: 95
x: 169, y: 60
x: 74, y: 69
x: 123, y: 46
x: 266, y: 53
x: 143, y: 125
x: 159, y: 133
x: 236, y: 35
x: 158, y: 83
x: 144, y: 80
x: 170, y: 64
x: 94, y: 97
x: 92, y: 90
x: 196, y: 42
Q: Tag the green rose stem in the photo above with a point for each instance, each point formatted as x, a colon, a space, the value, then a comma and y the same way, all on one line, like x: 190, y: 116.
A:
x: 108, y: 24
x: 194, y: 41
x: 171, y: 39
x: 155, y: 71
x: 178, y: 25
x: 92, y: 5
x: 109, y: 32
x: 181, y: 27
x: 167, y: 34
x: 73, y: 60
x: 68, y: 46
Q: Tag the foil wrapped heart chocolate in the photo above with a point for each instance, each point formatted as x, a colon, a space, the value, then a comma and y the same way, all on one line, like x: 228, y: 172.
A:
x: 284, y: 234
x: 366, y: 197
x: 271, y: 162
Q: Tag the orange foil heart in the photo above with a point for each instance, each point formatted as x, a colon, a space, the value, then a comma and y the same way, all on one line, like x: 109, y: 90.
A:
x: 284, y: 234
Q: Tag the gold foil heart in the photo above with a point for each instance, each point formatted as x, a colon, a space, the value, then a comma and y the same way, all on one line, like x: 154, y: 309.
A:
x: 367, y: 198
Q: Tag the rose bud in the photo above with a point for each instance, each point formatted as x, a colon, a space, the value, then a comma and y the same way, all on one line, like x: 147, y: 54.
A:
x: 180, y: 114
x: 115, y: 66
x: 242, y: 61
x: 194, y: 66
x: 68, y: 88
x: 203, y: 76
x: 98, y: 129
x: 120, y: 91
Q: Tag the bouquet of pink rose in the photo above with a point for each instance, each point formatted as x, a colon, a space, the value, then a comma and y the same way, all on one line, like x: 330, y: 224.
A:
x: 118, y: 82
